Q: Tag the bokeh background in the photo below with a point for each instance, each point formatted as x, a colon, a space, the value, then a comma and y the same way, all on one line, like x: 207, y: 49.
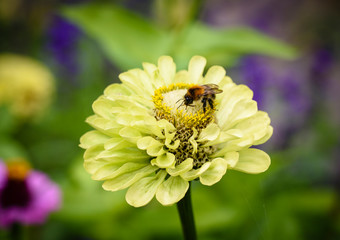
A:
x: 62, y: 54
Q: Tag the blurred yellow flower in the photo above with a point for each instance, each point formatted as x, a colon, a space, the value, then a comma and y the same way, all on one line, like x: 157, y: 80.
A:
x: 26, y: 85
x: 147, y: 140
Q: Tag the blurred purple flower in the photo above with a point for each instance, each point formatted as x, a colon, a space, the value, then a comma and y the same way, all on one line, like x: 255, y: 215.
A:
x: 28, y: 200
x: 293, y: 93
x: 255, y: 75
x: 262, y: 75
x: 323, y: 60
x: 280, y: 90
x: 62, y: 39
x: 267, y: 16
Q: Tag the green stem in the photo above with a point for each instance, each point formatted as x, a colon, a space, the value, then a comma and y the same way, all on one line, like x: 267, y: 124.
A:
x: 184, y: 208
x: 15, y: 232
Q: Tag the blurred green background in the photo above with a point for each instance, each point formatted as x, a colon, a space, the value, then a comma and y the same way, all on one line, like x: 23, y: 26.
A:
x: 287, y: 52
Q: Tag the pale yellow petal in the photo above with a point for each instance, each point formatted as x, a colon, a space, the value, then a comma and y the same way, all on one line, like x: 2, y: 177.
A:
x: 215, y: 172
x: 131, y: 134
x: 196, y: 68
x: 102, y: 107
x: 242, y: 110
x: 93, y: 151
x: 108, y: 127
x: 226, y: 81
x: 256, y: 125
x: 210, y: 133
x: 172, y: 190
x: 182, y: 77
x: 164, y: 160
x: 192, y: 141
x: 117, y: 143
x: 112, y: 170
x: 182, y: 168
x: 224, y: 137
x: 195, y: 173
x: 127, y: 179
x: 141, y: 192
x: 145, y: 142
x: 152, y: 146
x: 91, y: 166
x: 167, y: 69
x: 252, y: 161
x: 214, y: 75
x: 231, y: 158
x: 234, y: 145
x: 150, y: 69
x: 128, y: 154
x: 116, y: 89
x: 133, y: 80
x: 230, y: 101
x: 92, y: 138
x: 265, y: 138
x: 131, y: 120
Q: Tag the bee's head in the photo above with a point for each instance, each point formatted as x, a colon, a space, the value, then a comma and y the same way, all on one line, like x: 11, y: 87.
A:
x: 188, y: 99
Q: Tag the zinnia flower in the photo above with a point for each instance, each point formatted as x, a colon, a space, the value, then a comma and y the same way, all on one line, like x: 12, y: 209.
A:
x: 26, y: 196
x: 148, y: 141
x: 26, y: 85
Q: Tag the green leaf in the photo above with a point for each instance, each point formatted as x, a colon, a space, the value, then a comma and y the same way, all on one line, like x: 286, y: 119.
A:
x: 85, y: 199
x: 224, y: 46
x: 10, y: 148
x: 127, y: 39
x: 7, y: 121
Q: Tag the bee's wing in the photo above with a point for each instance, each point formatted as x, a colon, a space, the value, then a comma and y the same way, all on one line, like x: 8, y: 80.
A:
x: 211, y: 85
x: 214, y: 88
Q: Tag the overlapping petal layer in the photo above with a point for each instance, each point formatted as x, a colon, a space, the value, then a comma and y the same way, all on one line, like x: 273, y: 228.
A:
x: 153, y: 155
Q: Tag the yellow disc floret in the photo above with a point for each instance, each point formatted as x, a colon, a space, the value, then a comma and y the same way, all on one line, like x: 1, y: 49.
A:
x: 18, y: 169
x: 168, y: 105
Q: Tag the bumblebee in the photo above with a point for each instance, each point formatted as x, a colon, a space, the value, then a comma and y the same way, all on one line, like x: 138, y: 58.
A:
x: 206, y: 93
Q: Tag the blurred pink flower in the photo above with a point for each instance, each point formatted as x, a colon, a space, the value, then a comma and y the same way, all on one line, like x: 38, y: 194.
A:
x: 28, y: 200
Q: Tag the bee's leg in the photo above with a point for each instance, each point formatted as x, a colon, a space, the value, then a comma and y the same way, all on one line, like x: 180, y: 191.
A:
x: 204, y: 101
x: 211, y: 103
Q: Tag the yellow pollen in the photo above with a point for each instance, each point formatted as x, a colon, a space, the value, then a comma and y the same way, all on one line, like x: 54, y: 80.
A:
x: 181, y: 117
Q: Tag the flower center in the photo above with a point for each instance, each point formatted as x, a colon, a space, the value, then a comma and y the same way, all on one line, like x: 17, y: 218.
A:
x: 170, y: 105
x: 189, y: 120
x: 15, y: 192
x: 18, y: 169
